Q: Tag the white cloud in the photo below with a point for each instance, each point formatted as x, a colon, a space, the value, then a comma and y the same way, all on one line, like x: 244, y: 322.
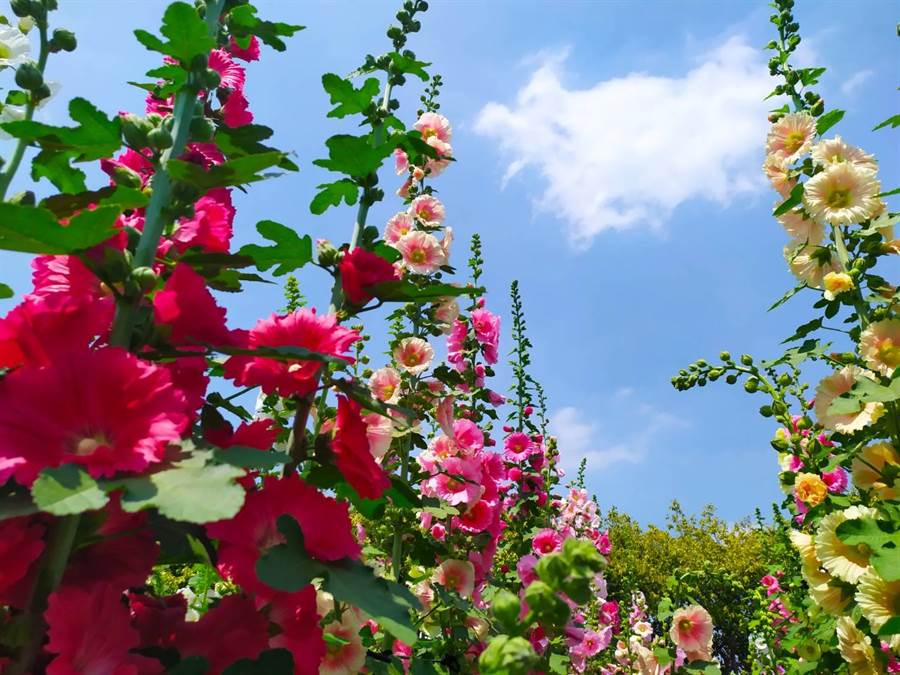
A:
x: 855, y: 81
x: 582, y: 435
x: 627, y: 151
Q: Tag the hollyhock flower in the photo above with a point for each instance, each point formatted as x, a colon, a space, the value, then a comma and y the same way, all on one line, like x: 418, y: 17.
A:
x: 446, y: 313
x: 518, y: 447
x: 260, y: 434
x: 833, y: 386
x: 234, y: 110
x: 422, y: 253
x: 525, y: 569
x: 770, y: 583
x: 131, y: 161
x: 99, y: 645
x: 477, y: 518
x: 189, y: 310
x: 21, y: 543
x: 856, y: 647
x: 836, y: 480
x: 230, y: 631
x: 428, y: 209
x: 456, y: 342
x: 487, y: 332
x: 458, y: 483
x: 842, y: 560
x: 456, y: 575
x: 835, y: 150
x: 294, y: 377
x: 642, y: 629
x: 432, y: 124
x: 351, y: 451
x: 398, y: 227
x: 468, y: 437
x: 111, y: 412
x: 842, y: 194
x: 346, y: 655
x: 692, y: 629
x: 413, y: 355
x: 188, y: 375
x: 380, y: 433
x: 878, y: 599
x: 324, y: 521
x: 869, y: 469
x: 232, y: 75
x: 603, y: 544
x: 401, y: 161
x: 157, y: 620
x: 836, y: 283
x: 360, y: 271
x: 546, y: 541
x: 810, y: 263
x: 40, y: 330
x: 67, y: 275
x: 778, y: 171
x: 385, y: 385
x: 792, y: 135
x: 14, y: 46
x: 879, y: 345
x: 248, y: 53
x: 810, y: 489
x: 609, y: 614
x: 297, y: 617
x: 210, y: 228
x: 801, y: 227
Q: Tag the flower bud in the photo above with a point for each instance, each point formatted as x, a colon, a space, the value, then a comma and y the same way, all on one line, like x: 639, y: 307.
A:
x: 160, y: 138
x: 751, y: 385
x: 202, y: 129
x: 145, y: 278
x: 747, y: 360
x: 211, y: 79
x: 326, y: 254
x: 28, y: 76
x: 21, y: 8
x: 135, y: 130
x: 63, y: 40
x: 26, y: 23
x: 505, y: 607
x: 41, y: 93
x: 126, y: 177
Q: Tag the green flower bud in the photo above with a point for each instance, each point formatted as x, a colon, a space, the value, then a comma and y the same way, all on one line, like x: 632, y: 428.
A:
x: 804, y: 423
x: 547, y: 606
x: 817, y: 108
x: 126, y: 177
x: 505, y: 607
x: 212, y: 79
x: 779, y: 444
x: 41, y: 93
x: 202, y: 129
x: 21, y: 8
x: 507, y: 655
x: 731, y: 379
x: 327, y: 254
x: 784, y: 379
x: 28, y: 76
x: 145, y: 278
x: 160, y: 138
x: 766, y: 411
x: 751, y: 385
x: 26, y: 23
x: 725, y: 356
x: 135, y: 130
x: 63, y: 40
x: 746, y: 359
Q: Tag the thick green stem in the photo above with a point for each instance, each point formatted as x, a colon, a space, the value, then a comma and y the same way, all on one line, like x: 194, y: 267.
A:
x: 397, y: 548
x: 9, y: 172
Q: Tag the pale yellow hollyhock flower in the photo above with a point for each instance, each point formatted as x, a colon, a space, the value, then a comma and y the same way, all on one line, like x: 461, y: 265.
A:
x: 856, y: 648
x: 844, y: 561
x: 879, y: 600
x: 842, y: 194
x: 835, y: 150
x: 835, y: 385
x: 791, y: 136
x: 879, y: 345
x: 836, y: 283
x: 868, y: 465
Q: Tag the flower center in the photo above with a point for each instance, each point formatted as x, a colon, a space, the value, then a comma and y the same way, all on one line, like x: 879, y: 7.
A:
x: 889, y: 353
x: 685, y: 625
x: 5, y: 51
x: 839, y: 198
x: 794, y: 141
x: 89, y: 444
x: 412, y: 359
x: 417, y: 256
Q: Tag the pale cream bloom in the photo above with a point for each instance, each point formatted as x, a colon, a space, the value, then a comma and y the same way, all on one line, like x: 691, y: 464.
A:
x: 844, y: 561
x: 810, y: 263
x: 856, y: 648
x: 414, y: 355
x: 868, y: 465
x: 835, y: 385
x: 836, y: 283
x: 792, y: 135
x: 835, y: 150
x: 778, y: 171
x: 842, y: 194
x: 879, y: 345
x: 828, y: 597
x: 879, y: 600
x: 801, y: 227
x: 14, y: 46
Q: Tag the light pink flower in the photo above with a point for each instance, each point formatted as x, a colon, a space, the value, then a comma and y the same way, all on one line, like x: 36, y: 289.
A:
x: 792, y: 136
x: 385, y: 384
x: 457, y: 575
x: 413, y: 355
x: 446, y: 314
x: 432, y: 124
x: 380, y: 433
x: 398, y: 227
x: 525, y: 569
x: 458, y: 483
x: 422, y: 252
x: 401, y: 161
x: 692, y: 629
x: 428, y: 209
x: 778, y: 171
x: 879, y: 345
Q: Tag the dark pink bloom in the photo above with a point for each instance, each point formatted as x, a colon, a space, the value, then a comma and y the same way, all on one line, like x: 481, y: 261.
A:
x: 360, y: 271
x: 235, y: 112
x: 232, y: 74
x: 230, y: 631
x: 250, y: 53
x: 260, y: 434
x: 187, y: 307
x: 157, y: 620
x: 836, y: 480
x: 211, y: 226
x: 296, y: 615
x: 518, y: 447
x: 487, y: 332
x: 66, y: 274
x: 21, y: 542
x: 546, y: 541
x: 112, y: 412
x: 352, y: 455
x: 477, y: 519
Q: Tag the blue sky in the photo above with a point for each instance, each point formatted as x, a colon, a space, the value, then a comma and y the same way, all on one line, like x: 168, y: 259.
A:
x: 635, y: 216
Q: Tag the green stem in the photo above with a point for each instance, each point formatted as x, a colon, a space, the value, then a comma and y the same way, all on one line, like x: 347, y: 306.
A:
x: 844, y: 257
x: 9, y: 173
x: 397, y: 548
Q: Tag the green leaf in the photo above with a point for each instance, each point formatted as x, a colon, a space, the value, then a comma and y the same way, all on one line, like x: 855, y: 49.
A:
x: 406, y: 291
x: 250, y: 458
x: 65, y: 205
x: 188, y: 35
x: 32, y: 229
x: 66, y: 490
x: 55, y: 167
x: 354, y: 155
x: 246, y: 140
x: 290, y: 251
x: 804, y: 330
x: 889, y: 193
x: 794, y: 199
x: 828, y: 120
x: 404, y: 64
x: 891, y: 626
x: 6, y: 292
x: 348, y: 99
x: 243, y: 22
x: 787, y: 296
x: 331, y: 194
x: 864, y: 391
x: 880, y: 538
x: 238, y: 171
x: 270, y: 662
x: 893, y: 122
x: 193, y: 491
x: 810, y: 76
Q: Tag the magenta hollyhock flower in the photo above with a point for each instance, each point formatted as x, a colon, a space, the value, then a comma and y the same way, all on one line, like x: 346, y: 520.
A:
x: 487, y: 332
x: 770, y: 583
x: 603, y: 544
x: 234, y: 110
x: 297, y: 617
x: 260, y: 434
x: 360, y: 271
x: 324, y: 521
x: 352, y: 455
x: 248, y: 53
x: 112, y: 412
x: 546, y: 541
x: 189, y: 310
x: 609, y: 614
x: 468, y: 437
x: 456, y: 341
x: 232, y: 74
x: 211, y: 226
x: 836, y: 480
x: 293, y: 377
x: 458, y: 483
x: 21, y: 543
x: 68, y: 276
x: 517, y: 447
x: 525, y: 569
x: 477, y: 518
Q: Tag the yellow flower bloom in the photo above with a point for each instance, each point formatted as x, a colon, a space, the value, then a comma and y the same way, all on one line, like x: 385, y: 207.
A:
x: 842, y: 194
x: 868, y: 466
x: 879, y: 345
x: 836, y: 283
x: 879, y: 600
x: 835, y: 385
x: 810, y: 489
x: 844, y: 561
x: 856, y: 648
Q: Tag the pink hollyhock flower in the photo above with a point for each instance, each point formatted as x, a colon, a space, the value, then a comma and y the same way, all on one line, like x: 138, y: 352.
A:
x: 604, y: 545
x: 40, y: 330
x: 692, y: 629
x: 413, y: 355
x: 458, y: 483
x: 468, y: 437
x: 232, y: 75
x: 446, y: 314
x: 324, y: 521
x: 234, y: 110
x: 210, y: 228
x: 99, y: 645
x: 111, y: 412
x: 132, y: 161
x: 347, y: 656
x: 525, y: 569
x: 189, y: 310
x: 188, y: 375
x: 248, y: 53
x: 360, y: 271
x: 207, y: 155
x: 385, y: 385
x: 592, y: 643
x: 770, y: 583
x: 428, y: 209
x: 21, y: 543
x: 836, y: 480
x: 546, y: 541
x: 351, y: 452
x: 422, y: 253
x: 380, y: 433
x: 230, y: 631
x: 432, y: 124
x: 477, y: 518
x: 487, y: 332
x: 609, y: 614
x: 456, y: 342
x: 518, y: 447
x: 260, y: 434
x: 297, y: 617
x: 400, y: 225
x: 294, y: 377
x: 67, y: 275
x: 157, y: 620
x: 456, y: 575
x: 401, y: 161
